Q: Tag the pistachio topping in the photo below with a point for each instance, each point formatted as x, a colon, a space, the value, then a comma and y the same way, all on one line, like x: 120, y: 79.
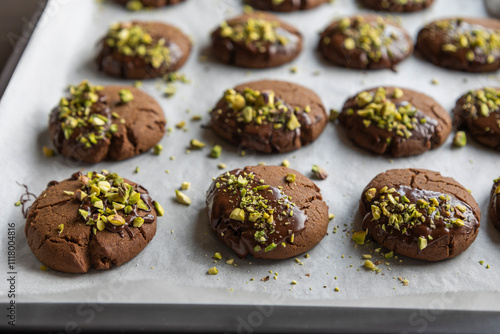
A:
x: 133, y: 40
x: 359, y: 237
x: 261, y: 207
x: 460, y: 139
x: 477, y: 42
x: 216, y: 151
x: 259, y: 32
x: 481, y: 103
x: 84, y: 117
x: 108, y: 202
x: 377, y: 109
x: 182, y: 198
x: 262, y: 107
x: 405, y: 209
x: 125, y: 95
x: 370, y: 36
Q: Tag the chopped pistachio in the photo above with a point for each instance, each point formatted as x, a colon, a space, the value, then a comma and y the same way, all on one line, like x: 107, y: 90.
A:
x: 125, y: 95
x: 334, y: 114
x: 185, y: 185
x: 370, y: 265
x: 319, y: 172
x: 217, y: 256
x: 48, y: 152
x: 136, y: 170
x: 18, y: 203
x: 285, y: 163
x: 398, y: 93
x: 422, y: 243
x: 182, y: 198
x: 237, y: 214
x: 331, y: 216
x: 290, y: 178
x: 196, y: 144
x: 60, y: 228
x: 221, y: 166
x: 460, y: 139
x: 159, y: 209
x: 44, y: 268
x: 216, y: 151
x: 359, y: 237
x: 293, y: 282
x: 170, y: 90
x: 134, y: 5
x: 213, y: 271
x: 158, y: 149
x: 294, y: 69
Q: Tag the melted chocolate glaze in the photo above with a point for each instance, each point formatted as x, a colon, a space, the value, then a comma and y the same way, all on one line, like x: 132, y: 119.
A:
x: 26, y: 198
x: 410, y: 237
x: 239, y: 235
x: 495, y: 205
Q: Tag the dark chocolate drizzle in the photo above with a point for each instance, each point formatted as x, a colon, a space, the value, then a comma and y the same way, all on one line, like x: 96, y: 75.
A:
x: 26, y: 198
x: 239, y: 235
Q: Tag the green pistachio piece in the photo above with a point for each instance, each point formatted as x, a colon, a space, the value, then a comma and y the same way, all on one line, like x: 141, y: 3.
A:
x: 237, y: 214
x: 293, y: 123
x: 460, y: 139
x: 182, y: 198
x: 126, y: 95
x: 185, y: 185
x: 359, y: 237
x: 213, y: 271
x: 159, y: 209
x: 422, y: 243
x: 138, y: 221
x: 290, y: 178
x: 270, y: 247
x: 158, y: 149
x: 370, y: 194
x: 48, y: 152
x: 370, y: 265
x: 116, y: 220
x: 216, y: 151
x: 196, y: 144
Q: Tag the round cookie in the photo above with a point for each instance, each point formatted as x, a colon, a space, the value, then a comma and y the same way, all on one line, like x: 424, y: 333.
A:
x: 495, y: 203
x: 463, y: 44
x: 142, y: 50
x: 479, y: 113
x: 366, y: 42
x: 93, y: 220
x: 269, y: 116
x: 397, y: 6
x: 98, y: 123
x: 395, y: 121
x: 140, y: 4
x: 285, y: 5
x: 420, y: 214
x: 270, y: 212
x: 256, y: 40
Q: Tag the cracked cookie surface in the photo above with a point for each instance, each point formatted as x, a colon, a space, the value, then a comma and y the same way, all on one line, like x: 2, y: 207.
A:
x: 137, y: 126
x: 291, y: 116
x: 420, y: 214
x: 270, y: 212
x: 74, y: 247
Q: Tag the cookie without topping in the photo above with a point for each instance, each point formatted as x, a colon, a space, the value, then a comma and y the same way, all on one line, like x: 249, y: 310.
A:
x: 397, y: 6
x: 93, y: 220
x: 395, y: 121
x: 420, y: 214
x: 463, y: 44
x: 269, y: 116
x: 256, y: 40
x: 97, y: 123
x: 270, y: 212
x: 366, y: 42
x: 478, y: 112
x: 285, y: 5
x: 495, y: 203
x: 142, y: 50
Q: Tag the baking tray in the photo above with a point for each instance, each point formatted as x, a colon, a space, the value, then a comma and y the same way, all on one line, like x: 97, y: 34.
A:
x: 166, y: 286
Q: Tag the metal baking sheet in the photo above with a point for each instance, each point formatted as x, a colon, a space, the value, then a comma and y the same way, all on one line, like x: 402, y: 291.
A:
x: 172, y: 269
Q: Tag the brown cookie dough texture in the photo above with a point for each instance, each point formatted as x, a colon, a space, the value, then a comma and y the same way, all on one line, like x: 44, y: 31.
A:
x: 463, y: 44
x: 60, y: 238
x: 478, y: 112
x: 256, y: 40
x: 397, y: 6
x: 270, y: 212
x: 285, y: 5
x: 420, y: 214
x: 367, y: 42
x: 139, y: 4
x: 142, y: 50
x: 269, y: 116
x: 127, y: 129
x: 395, y: 121
x: 495, y: 203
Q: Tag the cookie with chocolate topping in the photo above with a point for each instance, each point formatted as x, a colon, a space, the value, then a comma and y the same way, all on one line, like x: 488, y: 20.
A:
x: 142, y: 4
x: 478, y: 112
x: 463, y: 44
x: 142, y: 50
x: 269, y: 116
x: 395, y: 121
x: 96, y: 123
x: 92, y: 220
x: 397, y: 6
x: 420, y: 214
x: 270, y: 212
x: 256, y: 40
x: 366, y: 42
x: 285, y: 5
x: 495, y: 203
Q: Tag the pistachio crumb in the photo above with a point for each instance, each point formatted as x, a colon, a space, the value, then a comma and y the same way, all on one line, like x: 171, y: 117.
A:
x: 158, y: 149
x: 319, y: 172
x: 334, y: 114
x: 213, y: 271
x: 196, y: 144
x: 331, y: 216
x: 285, y: 163
x: 159, y: 209
x: 44, y: 268
x: 48, y: 152
x: 182, y: 198
x: 221, y: 166
x: 136, y: 170
x: 217, y: 256
x: 18, y: 203
x: 294, y: 282
x: 216, y: 151
x: 126, y: 95
x: 460, y: 139
x: 336, y: 289
x: 359, y: 237
x: 185, y: 185
x: 290, y: 178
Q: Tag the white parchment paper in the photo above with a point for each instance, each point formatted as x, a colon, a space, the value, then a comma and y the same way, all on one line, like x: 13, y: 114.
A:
x: 172, y: 269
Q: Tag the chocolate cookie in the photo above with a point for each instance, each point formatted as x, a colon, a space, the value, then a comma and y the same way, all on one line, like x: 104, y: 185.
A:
x: 269, y: 116
x: 464, y: 44
x: 285, y: 5
x: 96, y: 123
x: 479, y: 112
x: 140, y: 4
x: 366, y: 42
x: 495, y: 203
x: 395, y: 121
x: 256, y: 40
x: 94, y: 220
x: 397, y: 6
x: 420, y: 214
x: 270, y: 212
x: 142, y: 50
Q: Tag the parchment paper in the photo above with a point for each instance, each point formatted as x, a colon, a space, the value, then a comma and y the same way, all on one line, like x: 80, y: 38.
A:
x: 172, y: 268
